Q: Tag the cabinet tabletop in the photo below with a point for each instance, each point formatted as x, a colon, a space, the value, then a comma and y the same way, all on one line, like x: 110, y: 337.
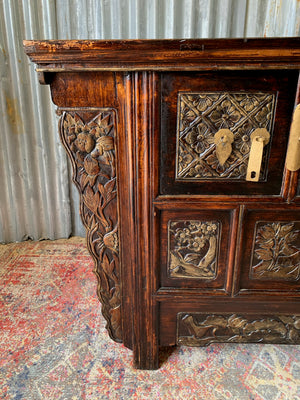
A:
x: 164, y: 55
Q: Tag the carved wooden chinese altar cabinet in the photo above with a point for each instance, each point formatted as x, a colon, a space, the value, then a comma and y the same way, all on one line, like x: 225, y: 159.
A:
x: 186, y: 157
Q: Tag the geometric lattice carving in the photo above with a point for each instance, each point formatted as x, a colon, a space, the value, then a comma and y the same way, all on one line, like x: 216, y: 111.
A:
x: 276, y: 253
x: 90, y: 142
x: 202, y: 329
x: 193, y: 249
x: 201, y: 115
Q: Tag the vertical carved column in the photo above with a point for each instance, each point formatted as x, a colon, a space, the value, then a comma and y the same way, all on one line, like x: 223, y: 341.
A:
x: 89, y: 138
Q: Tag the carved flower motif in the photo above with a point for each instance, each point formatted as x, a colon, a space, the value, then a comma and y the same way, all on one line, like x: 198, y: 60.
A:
x: 247, y: 101
x: 97, y: 181
x: 104, y: 143
x: 84, y: 142
x: 242, y: 138
x: 101, y: 126
x: 208, y: 229
x: 197, y: 243
x: 277, y: 251
x: 201, y: 101
x: 111, y: 241
x: 195, y: 235
x: 92, y: 169
x: 182, y: 236
x: 198, y: 138
x: 225, y: 115
x: 195, y: 226
x: 184, y: 159
x: 263, y: 117
x: 205, y: 101
x: 199, y: 170
x: 187, y: 117
x: 91, y: 166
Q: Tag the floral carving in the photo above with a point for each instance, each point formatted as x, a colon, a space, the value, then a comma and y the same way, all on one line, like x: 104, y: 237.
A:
x: 201, y: 329
x: 225, y: 115
x: 248, y: 102
x: 276, y: 251
x: 193, y: 247
x: 90, y: 145
x: 184, y: 159
x: 197, y: 138
x: 201, y: 115
x: 242, y: 138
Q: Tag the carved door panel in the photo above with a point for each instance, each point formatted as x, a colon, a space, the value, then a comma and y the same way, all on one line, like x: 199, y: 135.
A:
x: 209, y: 128
x: 270, y: 252
x: 195, y: 248
x: 197, y: 329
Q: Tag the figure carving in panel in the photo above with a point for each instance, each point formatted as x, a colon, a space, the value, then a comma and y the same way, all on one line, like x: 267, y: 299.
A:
x: 276, y: 253
x: 202, y: 115
x: 193, y: 249
x: 201, y: 329
x: 89, y: 139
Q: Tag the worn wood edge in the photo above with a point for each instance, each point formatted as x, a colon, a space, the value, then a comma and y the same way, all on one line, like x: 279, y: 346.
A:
x: 168, y: 54
x: 197, y: 66
x: 184, y: 44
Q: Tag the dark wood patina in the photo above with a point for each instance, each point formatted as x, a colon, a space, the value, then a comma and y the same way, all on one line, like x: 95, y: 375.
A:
x: 159, y: 132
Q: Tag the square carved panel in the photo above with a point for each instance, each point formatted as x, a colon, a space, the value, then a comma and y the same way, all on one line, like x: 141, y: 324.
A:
x: 201, y: 115
x: 193, y: 248
x: 276, y: 251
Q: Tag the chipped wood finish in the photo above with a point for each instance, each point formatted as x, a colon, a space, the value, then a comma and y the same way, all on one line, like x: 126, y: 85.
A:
x: 202, y: 329
x: 89, y: 138
x: 163, y: 55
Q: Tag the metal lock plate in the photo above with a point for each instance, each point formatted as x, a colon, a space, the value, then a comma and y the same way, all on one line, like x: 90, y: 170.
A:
x: 259, y: 138
x: 223, y: 139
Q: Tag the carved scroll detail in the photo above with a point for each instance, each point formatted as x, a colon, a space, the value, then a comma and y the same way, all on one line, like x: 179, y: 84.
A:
x: 201, y: 329
x: 276, y: 252
x: 88, y: 137
x: 201, y: 115
x: 193, y: 249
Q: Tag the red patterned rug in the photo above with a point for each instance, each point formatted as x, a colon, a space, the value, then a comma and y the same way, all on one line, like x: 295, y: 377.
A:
x: 53, y: 344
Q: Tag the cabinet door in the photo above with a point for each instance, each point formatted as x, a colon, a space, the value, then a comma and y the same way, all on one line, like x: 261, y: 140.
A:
x: 270, y: 252
x: 197, y: 109
x: 197, y: 245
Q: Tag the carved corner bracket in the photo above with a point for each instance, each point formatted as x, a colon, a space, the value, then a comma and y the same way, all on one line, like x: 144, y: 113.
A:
x: 89, y: 138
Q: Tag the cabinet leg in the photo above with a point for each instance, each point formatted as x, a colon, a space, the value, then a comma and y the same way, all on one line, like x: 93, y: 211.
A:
x: 146, y: 359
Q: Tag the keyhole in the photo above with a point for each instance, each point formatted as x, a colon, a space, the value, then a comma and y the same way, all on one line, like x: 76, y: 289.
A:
x: 253, y: 174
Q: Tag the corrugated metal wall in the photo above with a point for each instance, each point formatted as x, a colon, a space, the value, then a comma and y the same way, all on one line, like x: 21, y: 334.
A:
x: 37, y: 199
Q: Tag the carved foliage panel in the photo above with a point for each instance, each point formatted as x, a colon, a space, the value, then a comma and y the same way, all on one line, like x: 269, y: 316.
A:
x: 89, y: 138
x: 193, y: 248
x: 201, y: 115
x: 276, y: 251
x: 202, y: 329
